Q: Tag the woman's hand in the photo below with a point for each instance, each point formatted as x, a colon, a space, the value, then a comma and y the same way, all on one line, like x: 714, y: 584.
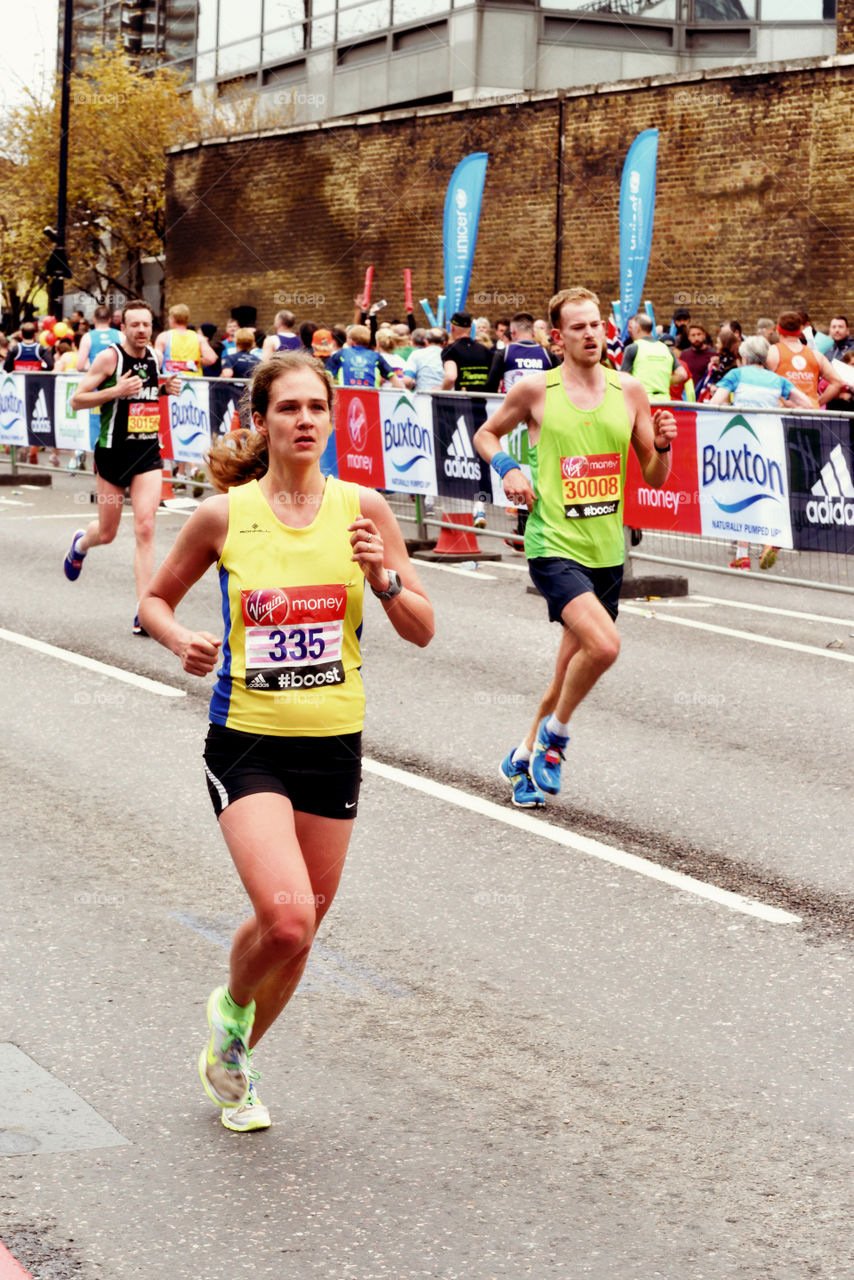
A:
x: 369, y: 551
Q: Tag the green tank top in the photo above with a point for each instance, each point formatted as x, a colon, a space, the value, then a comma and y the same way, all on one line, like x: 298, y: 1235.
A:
x: 653, y: 367
x: 579, y: 473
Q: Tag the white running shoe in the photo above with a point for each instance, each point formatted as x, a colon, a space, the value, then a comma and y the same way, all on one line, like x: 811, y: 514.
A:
x: 224, y: 1062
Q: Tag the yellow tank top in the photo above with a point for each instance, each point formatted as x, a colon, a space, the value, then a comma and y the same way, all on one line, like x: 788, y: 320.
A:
x: 183, y: 353
x: 292, y: 607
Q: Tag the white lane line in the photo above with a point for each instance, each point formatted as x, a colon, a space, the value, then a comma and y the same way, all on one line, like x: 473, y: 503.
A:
x: 14, y: 502
x: 508, y: 564
x: 83, y: 517
x: 581, y: 844
x: 744, y: 635
x: 448, y: 568
x: 783, y: 613
x: 92, y: 664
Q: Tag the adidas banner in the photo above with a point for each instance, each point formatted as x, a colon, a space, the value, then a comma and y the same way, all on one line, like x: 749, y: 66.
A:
x: 460, y: 471
x: 39, y: 400
x: 821, y: 469
x: 224, y: 398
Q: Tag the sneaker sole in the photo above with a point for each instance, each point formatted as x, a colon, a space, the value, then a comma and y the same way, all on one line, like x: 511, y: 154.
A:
x: 531, y: 804
x: 253, y: 1127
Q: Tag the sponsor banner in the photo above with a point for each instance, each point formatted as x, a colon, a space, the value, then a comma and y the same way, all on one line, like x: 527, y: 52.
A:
x: 821, y: 470
x: 13, y: 411
x: 460, y: 471
x: 38, y: 397
x: 407, y: 436
x: 637, y: 210
x: 743, y: 477
x: 675, y: 507
x: 223, y: 401
x: 358, y: 437
x: 189, y: 422
x: 71, y: 426
x: 459, y: 227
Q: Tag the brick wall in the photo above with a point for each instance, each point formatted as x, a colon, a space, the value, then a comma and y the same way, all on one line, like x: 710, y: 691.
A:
x: 845, y: 26
x: 753, y: 212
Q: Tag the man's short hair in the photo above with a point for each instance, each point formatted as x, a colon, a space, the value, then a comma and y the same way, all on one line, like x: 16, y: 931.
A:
x: 754, y: 350
x: 523, y: 320
x: 790, y: 321
x: 179, y: 313
x: 244, y: 339
x: 564, y: 298
x: 28, y: 329
x: 765, y: 322
x: 138, y: 304
x: 436, y: 337
x: 102, y: 314
x: 419, y: 337
x: 359, y: 335
x: 286, y: 318
x: 644, y: 322
x: 461, y: 319
x: 844, y: 320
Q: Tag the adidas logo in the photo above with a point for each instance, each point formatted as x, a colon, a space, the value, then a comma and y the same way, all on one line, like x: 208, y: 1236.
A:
x: 258, y: 683
x: 40, y: 420
x: 227, y: 419
x: 835, y: 479
x: 834, y: 491
x: 461, y: 461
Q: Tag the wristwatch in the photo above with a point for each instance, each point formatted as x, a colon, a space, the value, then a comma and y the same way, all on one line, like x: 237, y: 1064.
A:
x: 394, y: 588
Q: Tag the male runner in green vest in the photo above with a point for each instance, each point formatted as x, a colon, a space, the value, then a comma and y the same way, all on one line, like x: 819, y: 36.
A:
x: 581, y: 419
x: 655, y: 365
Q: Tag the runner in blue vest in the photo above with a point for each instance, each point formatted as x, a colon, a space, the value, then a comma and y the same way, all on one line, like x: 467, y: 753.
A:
x: 103, y: 335
x: 357, y: 366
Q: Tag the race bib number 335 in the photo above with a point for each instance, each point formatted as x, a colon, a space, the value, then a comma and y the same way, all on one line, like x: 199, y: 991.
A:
x: 294, y: 637
x: 592, y: 485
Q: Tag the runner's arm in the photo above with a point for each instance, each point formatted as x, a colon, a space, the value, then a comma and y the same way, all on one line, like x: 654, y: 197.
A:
x: 206, y: 350
x: 83, y: 353
x: 197, y: 547
x: 651, y: 432
x: 87, y: 395
x: 450, y: 378
x: 410, y: 613
x: 834, y: 383
x: 522, y: 403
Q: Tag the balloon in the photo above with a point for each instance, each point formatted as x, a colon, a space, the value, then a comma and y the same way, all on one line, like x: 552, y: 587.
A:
x: 48, y: 338
x: 61, y: 329
x: 49, y: 322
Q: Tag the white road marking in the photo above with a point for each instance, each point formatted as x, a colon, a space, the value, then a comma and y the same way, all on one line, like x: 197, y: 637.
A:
x: 783, y: 613
x: 14, y: 502
x: 742, y: 635
x: 448, y: 568
x: 581, y: 844
x: 92, y: 664
x: 84, y: 516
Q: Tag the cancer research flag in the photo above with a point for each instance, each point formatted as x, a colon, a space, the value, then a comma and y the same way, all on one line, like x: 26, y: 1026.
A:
x: 637, y: 210
x: 462, y: 214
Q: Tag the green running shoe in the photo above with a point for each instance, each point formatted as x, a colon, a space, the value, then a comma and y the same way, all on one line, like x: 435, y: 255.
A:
x: 224, y: 1062
x: 252, y: 1114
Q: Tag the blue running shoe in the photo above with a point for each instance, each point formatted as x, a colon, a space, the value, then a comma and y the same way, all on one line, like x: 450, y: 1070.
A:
x: 525, y: 794
x: 545, y: 762
x: 73, y: 562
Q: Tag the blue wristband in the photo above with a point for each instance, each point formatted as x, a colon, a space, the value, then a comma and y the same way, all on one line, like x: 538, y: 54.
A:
x: 502, y: 463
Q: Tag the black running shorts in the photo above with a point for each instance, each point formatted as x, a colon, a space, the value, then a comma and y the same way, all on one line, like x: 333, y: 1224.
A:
x: 318, y: 775
x: 119, y: 466
x: 560, y: 581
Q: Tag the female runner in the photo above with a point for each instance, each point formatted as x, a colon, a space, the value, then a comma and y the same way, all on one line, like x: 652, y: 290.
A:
x: 293, y: 550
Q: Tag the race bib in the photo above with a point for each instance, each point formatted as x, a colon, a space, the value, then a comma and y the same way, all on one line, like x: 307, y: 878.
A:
x: 294, y: 637
x: 188, y: 368
x: 592, y: 485
x: 143, y: 417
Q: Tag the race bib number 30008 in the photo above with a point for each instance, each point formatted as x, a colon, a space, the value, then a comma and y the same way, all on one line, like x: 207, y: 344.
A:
x: 294, y: 637
x: 592, y: 485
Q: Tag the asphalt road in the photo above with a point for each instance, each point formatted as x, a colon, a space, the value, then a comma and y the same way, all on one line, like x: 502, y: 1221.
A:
x: 511, y: 1056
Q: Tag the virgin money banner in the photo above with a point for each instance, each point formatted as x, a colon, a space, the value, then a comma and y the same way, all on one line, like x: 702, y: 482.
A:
x: 189, y: 419
x: 637, y: 212
x: 358, y: 438
x: 13, y: 411
x: 743, y: 477
x: 71, y: 426
x: 675, y: 507
x: 821, y: 479
x: 462, y: 215
x: 409, y: 457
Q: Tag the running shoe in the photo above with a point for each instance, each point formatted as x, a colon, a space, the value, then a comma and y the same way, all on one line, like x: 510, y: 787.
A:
x: 224, y: 1062
x: 525, y: 794
x: 251, y: 1114
x: 768, y: 558
x: 740, y: 562
x: 73, y: 562
x: 138, y: 628
x: 546, y: 760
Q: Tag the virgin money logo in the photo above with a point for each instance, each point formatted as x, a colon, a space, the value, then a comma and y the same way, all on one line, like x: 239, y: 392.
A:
x: 266, y: 607
x: 573, y: 468
x: 357, y: 424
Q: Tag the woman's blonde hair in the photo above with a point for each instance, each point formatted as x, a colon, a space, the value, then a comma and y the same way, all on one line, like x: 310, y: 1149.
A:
x: 243, y: 455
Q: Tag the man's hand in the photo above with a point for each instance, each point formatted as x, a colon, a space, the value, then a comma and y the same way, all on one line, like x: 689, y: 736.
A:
x: 517, y: 489
x: 170, y: 386
x: 129, y: 384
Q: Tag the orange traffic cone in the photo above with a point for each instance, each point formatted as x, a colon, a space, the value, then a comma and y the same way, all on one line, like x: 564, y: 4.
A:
x: 457, y: 544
